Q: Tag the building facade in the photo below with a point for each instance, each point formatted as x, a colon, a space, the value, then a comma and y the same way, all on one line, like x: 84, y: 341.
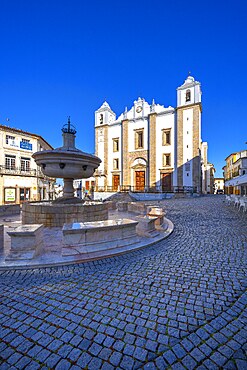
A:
x: 235, y: 173
x: 151, y: 147
x: 219, y: 185
x: 20, y: 178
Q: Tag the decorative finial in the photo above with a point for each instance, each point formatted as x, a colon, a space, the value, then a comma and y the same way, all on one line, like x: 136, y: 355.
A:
x: 68, y: 128
x: 189, y: 73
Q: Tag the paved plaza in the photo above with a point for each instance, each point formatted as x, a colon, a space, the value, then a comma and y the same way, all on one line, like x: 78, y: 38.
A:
x: 179, y: 304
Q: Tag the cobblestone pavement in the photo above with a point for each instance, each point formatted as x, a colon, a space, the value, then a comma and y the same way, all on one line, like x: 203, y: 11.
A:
x: 180, y: 304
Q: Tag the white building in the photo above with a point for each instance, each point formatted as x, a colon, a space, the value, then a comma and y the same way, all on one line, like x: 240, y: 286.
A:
x: 151, y: 147
x: 20, y: 178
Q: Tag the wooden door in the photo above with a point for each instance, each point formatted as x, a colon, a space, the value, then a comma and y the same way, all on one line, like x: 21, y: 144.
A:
x: 115, y: 182
x: 166, y: 181
x: 140, y: 180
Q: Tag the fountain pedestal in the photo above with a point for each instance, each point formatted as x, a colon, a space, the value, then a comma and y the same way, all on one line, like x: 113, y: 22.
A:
x: 68, y: 189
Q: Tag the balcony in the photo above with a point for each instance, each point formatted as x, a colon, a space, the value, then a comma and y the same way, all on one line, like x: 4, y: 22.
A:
x: 15, y: 171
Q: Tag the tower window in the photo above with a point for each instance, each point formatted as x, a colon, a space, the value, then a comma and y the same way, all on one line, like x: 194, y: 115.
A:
x: 167, y: 160
x: 101, y: 118
x: 115, y: 145
x: 139, y: 139
x: 166, y: 137
x: 188, y: 95
x: 115, y: 164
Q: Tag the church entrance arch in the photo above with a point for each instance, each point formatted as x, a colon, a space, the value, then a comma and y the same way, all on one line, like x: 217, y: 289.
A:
x: 138, y: 174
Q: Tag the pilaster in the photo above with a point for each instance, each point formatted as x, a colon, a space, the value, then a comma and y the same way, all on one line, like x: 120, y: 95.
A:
x: 105, y: 132
x: 180, y: 159
x: 152, y: 150
x: 196, y: 147
x: 125, y: 156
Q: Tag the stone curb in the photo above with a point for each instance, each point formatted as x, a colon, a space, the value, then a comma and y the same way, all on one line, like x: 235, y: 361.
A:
x: 144, y: 243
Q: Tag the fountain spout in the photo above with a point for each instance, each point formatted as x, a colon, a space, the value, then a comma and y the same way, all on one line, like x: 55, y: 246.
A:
x: 69, y: 132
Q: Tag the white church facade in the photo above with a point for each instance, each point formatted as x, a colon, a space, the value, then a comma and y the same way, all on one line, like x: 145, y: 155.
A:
x: 151, y: 147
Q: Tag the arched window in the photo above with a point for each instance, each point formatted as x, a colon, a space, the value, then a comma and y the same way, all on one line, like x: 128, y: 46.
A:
x: 101, y: 118
x: 188, y: 97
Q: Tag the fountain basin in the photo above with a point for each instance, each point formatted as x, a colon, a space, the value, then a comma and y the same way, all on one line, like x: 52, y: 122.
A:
x: 56, y: 215
x: 73, y: 164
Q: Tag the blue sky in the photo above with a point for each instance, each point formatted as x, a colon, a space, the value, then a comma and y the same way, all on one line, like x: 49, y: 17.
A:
x: 60, y: 58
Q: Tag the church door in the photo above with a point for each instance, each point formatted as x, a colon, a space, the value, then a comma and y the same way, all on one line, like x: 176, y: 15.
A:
x: 115, y: 182
x: 166, y: 182
x: 140, y: 180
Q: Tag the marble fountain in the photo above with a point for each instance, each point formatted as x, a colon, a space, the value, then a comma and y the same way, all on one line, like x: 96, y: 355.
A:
x: 69, y: 229
x: 69, y: 163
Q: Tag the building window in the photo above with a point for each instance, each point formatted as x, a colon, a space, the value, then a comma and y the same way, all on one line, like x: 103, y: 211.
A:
x: 10, y: 139
x: 166, y: 137
x: 10, y: 162
x: 25, y: 164
x: 101, y: 118
x: 116, y: 145
x: 188, y: 95
x: 25, y: 141
x: 115, y: 164
x: 167, y: 160
x: 139, y: 139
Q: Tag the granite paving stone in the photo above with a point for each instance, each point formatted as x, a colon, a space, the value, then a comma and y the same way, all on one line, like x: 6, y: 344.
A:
x: 180, y: 303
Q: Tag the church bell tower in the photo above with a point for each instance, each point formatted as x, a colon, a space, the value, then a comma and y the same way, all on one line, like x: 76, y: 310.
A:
x: 189, y: 134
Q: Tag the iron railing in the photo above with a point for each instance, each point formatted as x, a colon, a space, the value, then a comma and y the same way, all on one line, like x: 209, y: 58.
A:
x: 155, y: 189
x: 17, y: 171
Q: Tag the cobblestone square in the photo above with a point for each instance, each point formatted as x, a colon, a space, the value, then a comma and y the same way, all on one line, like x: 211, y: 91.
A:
x: 178, y: 304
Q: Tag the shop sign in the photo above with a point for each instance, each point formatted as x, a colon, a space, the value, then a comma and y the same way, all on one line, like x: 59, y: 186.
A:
x: 9, y: 195
x: 27, y: 146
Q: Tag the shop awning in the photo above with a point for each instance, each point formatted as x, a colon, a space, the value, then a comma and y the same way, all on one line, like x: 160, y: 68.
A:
x: 237, y: 181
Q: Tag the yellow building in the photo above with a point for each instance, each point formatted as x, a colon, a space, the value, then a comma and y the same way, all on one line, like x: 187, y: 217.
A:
x: 20, y: 178
x: 235, y: 173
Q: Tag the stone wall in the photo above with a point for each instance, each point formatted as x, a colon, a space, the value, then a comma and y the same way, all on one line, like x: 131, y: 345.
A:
x: 59, y: 214
x: 9, y: 209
